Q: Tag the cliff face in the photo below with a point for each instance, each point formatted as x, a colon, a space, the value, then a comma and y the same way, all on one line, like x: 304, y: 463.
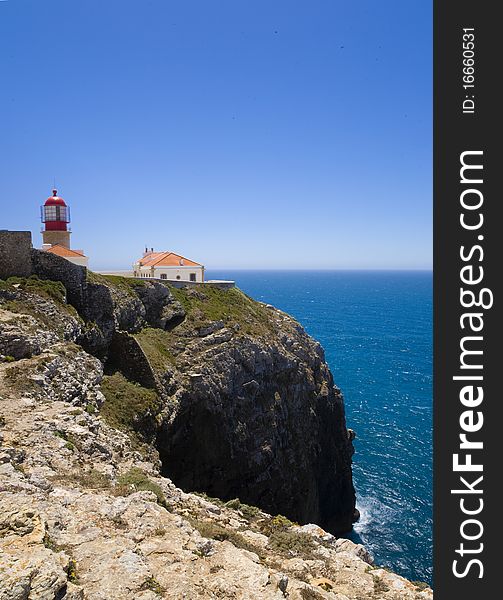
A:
x: 239, y: 403
x: 257, y: 417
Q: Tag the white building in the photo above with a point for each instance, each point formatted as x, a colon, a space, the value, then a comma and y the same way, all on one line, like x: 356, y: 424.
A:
x: 168, y: 265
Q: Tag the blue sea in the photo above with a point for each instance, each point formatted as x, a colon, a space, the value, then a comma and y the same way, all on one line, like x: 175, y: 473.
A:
x: 376, y: 328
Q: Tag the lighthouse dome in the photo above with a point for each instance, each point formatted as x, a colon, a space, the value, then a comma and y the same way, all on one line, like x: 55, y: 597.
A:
x: 54, y: 200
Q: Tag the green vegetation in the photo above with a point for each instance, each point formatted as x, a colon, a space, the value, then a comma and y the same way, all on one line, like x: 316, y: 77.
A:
x: 7, y: 358
x: 157, y: 345
x: 50, y: 543
x: 136, y: 480
x: 90, y: 408
x: 71, y: 443
x: 43, y: 287
x: 379, y: 585
x: 153, y: 585
x: 420, y: 585
x: 126, y: 402
x: 275, y: 524
x: 125, y: 284
x: 248, y: 511
x: 205, y: 496
x: 231, y: 306
x: 91, y: 479
x: 71, y: 571
x: 17, y: 375
x: 292, y: 543
x: 215, y: 531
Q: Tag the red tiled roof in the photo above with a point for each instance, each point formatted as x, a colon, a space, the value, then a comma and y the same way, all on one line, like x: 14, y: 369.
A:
x: 62, y: 251
x: 166, y: 259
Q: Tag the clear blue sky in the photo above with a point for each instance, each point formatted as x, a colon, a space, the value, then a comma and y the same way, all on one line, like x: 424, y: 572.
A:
x: 239, y: 133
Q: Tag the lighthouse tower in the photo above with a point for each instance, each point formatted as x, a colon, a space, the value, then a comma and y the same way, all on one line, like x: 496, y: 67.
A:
x: 55, y: 215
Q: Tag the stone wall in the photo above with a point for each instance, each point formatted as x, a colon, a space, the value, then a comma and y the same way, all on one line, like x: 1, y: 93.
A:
x: 56, y: 268
x: 15, y: 259
x: 221, y: 285
x: 19, y: 258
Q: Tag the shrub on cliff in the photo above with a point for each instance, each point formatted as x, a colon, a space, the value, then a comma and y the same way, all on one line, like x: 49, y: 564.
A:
x: 42, y: 287
x: 126, y: 402
x: 232, y: 307
x: 136, y: 480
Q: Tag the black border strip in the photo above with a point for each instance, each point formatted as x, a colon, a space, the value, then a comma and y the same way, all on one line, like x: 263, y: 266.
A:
x: 456, y: 132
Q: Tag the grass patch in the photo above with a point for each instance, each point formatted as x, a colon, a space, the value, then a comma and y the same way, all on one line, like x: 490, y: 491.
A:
x: 420, y: 585
x: 214, y: 531
x: 275, y: 524
x: 136, y: 480
x: 379, y: 585
x: 124, y: 284
x: 18, y: 375
x: 205, y: 496
x: 126, y: 402
x: 49, y: 290
x: 248, y: 511
x: 42, y: 287
x: 158, y: 347
x: 292, y: 543
x: 231, y: 306
x: 91, y: 479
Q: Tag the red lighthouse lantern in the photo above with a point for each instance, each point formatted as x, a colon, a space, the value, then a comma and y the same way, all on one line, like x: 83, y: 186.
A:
x: 55, y: 215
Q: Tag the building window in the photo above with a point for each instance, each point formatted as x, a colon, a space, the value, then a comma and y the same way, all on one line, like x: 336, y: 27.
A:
x: 164, y: 276
x: 178, y: 276
x: 192, y: 276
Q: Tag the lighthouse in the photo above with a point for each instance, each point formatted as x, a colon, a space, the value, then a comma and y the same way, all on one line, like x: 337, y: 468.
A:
x: 55, y: 215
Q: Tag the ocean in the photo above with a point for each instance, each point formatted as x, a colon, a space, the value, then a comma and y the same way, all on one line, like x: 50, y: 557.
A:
x: 376, y: 329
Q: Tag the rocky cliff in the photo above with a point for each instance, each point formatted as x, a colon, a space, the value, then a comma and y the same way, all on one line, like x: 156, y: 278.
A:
x: 110, y: 407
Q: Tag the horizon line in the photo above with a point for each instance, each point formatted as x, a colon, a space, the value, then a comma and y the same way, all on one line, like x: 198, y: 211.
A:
x: 295, y: 269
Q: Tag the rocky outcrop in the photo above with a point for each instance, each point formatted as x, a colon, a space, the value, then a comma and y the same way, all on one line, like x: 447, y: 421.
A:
x: 259, y: 418
x: 85, y: 512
